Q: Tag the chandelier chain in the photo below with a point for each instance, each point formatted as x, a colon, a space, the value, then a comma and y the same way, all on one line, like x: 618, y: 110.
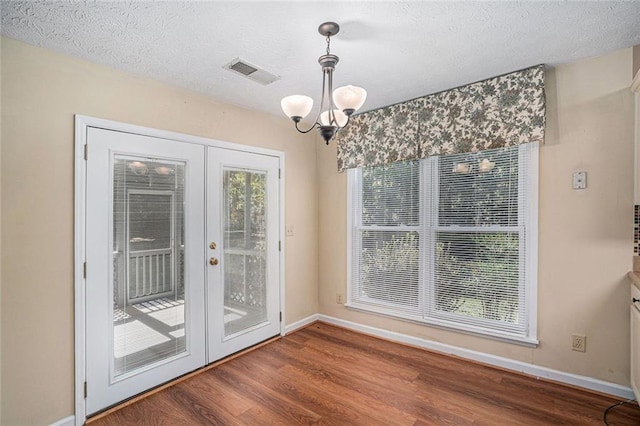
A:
x: 328, y: 44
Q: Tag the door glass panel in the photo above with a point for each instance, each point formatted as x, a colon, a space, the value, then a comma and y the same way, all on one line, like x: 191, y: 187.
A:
x: 245, y: 243
x: 148, y: 262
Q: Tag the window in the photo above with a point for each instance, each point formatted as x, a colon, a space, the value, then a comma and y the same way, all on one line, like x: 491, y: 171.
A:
x: 449, y: 241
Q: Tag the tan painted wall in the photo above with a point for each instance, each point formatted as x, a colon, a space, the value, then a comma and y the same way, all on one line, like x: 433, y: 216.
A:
x: 42, y: 91
x: 636, y: 59
x: 585, y: 238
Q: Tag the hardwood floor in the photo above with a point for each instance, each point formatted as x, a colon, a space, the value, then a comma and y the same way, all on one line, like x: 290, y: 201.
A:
x: 331, y: 376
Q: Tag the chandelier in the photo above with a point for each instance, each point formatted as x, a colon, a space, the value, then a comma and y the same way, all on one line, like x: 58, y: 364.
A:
x: 335, y: 106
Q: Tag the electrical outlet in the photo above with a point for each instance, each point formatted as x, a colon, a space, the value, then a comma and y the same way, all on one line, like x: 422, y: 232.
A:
x: 579, y: 342
x: 580, y: 180
x: 340, y: 298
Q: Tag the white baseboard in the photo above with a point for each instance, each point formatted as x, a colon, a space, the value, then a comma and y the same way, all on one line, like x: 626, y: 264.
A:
x: 67, y: 421
x: 506, y: 363
x: 290, y: 328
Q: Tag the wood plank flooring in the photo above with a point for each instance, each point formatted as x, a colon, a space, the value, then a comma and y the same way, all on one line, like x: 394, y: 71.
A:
x: 331, y: 376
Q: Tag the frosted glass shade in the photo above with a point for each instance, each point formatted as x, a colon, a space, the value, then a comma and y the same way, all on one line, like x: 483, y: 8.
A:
x: 486, y: 165
x: 349, y: 97
x: 296, y: 106
x: 341, y: 118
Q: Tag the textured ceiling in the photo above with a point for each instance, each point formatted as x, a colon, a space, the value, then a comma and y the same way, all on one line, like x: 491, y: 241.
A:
x: 396, y: 50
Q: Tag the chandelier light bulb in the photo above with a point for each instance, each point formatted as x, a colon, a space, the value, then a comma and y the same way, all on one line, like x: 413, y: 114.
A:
x: 486, y: 165
x: 462, y: 168
x: 349, y: 98
x: 340, y: 118
x: 296, y: 107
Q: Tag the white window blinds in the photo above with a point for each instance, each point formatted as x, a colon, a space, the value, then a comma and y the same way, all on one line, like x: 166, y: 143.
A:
x: 388, y: 238
x: 448, y: 240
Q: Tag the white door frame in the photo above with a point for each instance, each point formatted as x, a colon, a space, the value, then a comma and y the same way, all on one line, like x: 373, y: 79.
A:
x: 82, y: 123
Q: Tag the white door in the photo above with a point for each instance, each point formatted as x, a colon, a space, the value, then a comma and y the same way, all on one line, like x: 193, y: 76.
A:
x: 243, y: 276
x: 145, y: 253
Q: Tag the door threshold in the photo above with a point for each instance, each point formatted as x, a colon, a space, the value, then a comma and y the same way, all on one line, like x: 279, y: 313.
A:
x: 177, y: 380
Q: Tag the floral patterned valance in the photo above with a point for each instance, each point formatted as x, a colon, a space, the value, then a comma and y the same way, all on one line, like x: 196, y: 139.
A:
x: 501, y: 111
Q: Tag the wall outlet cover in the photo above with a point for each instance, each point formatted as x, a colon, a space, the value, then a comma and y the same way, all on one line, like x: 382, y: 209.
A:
x: 580, y: 180
x: 579, y: 342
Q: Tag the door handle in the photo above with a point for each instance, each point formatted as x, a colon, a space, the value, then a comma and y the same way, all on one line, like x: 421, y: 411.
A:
x: 213, y: 261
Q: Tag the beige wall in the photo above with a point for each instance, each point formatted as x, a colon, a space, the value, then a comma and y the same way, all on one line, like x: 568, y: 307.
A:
x: 585, y: 238
x: 0, y: 234
x: 42, y: 92
x: 636, y: 59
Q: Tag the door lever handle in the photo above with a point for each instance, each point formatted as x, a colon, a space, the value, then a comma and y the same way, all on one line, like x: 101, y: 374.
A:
x: 213, y: 261
x: 634, y: 300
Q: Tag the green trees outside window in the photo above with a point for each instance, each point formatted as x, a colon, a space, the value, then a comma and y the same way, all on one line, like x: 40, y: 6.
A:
x: 444, y: 238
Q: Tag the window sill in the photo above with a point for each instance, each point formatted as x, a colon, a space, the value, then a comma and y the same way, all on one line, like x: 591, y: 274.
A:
x: 446, y: 325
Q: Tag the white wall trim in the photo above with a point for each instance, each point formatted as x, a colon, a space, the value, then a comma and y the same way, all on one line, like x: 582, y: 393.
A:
x: 67, y: 421
x: 290, y: 328
x: 85, y: 121
x: 283, y: 248
x: 497, y: 361
x: 79, y: 258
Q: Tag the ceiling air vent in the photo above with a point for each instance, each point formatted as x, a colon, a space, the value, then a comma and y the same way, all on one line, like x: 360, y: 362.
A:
x: 251, y: 71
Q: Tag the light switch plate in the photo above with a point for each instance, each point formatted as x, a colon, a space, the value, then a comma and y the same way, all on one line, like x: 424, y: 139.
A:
x: 580, y: 180
x: 288, y: 230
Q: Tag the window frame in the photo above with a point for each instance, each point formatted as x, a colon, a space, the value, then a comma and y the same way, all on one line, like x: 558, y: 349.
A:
x: 427, y: 229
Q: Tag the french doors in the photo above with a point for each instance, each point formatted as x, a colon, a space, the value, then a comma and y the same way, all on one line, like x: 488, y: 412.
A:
x: 242, y: 189
x: 161, y: 299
